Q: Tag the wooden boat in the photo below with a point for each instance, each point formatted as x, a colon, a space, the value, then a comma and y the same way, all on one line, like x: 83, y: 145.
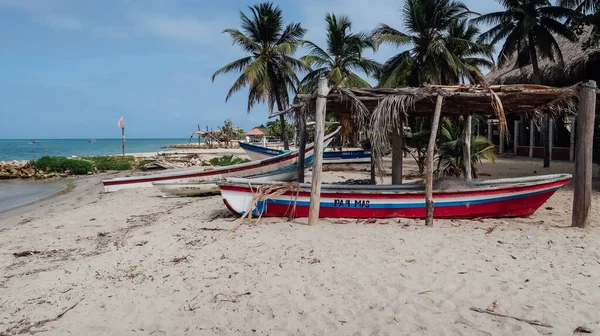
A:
x: 511, y: 197
x: 258, y: 153
x: 276, y: 164
x: 192, y: 189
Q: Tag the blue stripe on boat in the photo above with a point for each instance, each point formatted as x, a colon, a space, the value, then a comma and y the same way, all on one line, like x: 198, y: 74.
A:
x: 414, y: 205
x: 260, y: 149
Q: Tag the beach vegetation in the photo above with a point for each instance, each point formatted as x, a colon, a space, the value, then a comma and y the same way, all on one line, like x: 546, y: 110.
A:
x: 430, y: 56
x: 230, y: 132
x: 529, y: 29
x: 342, y: 58
x: 103, y: 163
x: 269, y: 67
x: 54, y: 164
x: 226, y: 160
x: 450, y: 144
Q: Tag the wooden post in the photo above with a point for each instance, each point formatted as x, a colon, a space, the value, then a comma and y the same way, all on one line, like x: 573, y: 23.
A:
x: 315, y: 190
x: 516, y: 137
x: 550, y: 136
x: 467, y: 148
x: 397, y: 144
x: 572, y: 142
x: 546, y: 140
x: 490, y: 134
x: 501, y: 141
x: 301, y: 148
x: 531, y: 136
x: 123, y: 139
x: 582, y: 195
x: 429, y: 168
x: 373, y: 179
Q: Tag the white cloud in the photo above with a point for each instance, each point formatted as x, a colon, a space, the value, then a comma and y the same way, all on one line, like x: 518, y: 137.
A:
x: 181, y: 29
x: 59, y: 21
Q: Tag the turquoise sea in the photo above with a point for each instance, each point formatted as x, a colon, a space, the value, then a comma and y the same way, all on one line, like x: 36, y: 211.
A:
x: 29, y: 149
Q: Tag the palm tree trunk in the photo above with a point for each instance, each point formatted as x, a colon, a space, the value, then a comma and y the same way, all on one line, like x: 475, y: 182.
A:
x: 537, y: 79
x: 284, y: 137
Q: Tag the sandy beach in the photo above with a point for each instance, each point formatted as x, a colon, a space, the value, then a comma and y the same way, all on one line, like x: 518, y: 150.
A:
x: 134, y: 263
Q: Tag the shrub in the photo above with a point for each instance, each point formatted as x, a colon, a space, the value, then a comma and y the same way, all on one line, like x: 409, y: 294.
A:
x: 227, y: 160
x: 111, y: 162
x: 61, y: 165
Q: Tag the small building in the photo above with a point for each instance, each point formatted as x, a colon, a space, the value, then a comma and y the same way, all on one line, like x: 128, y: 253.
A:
x: 255, y: 135
x: 579, y: 64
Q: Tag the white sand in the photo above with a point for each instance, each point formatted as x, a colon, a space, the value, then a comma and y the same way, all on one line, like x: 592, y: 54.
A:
x: 122, y: 253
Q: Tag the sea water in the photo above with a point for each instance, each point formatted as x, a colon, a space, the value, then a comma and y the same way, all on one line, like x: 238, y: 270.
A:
x: 28, y: 149
x: 14, y: 193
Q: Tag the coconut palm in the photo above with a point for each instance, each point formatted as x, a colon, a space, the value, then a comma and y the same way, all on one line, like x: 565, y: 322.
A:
x: 590, y: 10
x: 473, y: 55
x: 451, y: 141
x: 428, y: 57
x: 269, y: 70
x: 342, y: 57
x: 529, y: 28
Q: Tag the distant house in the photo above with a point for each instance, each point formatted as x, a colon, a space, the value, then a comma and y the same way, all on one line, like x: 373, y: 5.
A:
x: 578, y: 65
x: 255, y: 135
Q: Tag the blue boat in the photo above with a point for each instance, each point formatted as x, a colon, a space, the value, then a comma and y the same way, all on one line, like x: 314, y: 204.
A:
x: 258, y: 153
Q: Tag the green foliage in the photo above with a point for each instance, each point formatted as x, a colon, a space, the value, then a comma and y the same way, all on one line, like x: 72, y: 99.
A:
x: 103, y: 163
x: 433, y: 51
x: 230, y: 132
x: 274, y: 129
x: 529, y: 29
x: 451, y: 148
x: 62, y: 165
x: 416, y: 140
x: 141, y: 164
x: 342, y: 57
x: 226, y: 160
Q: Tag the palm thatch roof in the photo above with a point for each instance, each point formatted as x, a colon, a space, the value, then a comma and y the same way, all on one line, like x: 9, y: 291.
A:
x: 388, y: 109
x: 578, y: 65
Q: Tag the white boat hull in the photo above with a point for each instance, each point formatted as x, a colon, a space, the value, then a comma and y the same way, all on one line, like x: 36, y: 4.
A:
x: 280, y: 163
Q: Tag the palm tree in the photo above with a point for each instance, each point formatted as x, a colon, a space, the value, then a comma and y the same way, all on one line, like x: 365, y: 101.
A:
x: 428, y: 57
x: 269, y: 70
x: 590, y: 10
x: 342, y: 57
x: 451, y: 141
x: 529, y: 27
x: 473, y: 55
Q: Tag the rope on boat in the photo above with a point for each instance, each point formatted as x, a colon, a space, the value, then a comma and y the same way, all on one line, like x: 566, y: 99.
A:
x: 263, y: 193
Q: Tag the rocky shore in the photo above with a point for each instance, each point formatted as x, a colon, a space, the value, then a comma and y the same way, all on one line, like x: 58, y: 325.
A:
x: 22, y: 169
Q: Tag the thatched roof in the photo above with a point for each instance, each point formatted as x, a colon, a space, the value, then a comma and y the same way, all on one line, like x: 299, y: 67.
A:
x: 578, y: 65
x: 387, y: 109
x: 458, y: 100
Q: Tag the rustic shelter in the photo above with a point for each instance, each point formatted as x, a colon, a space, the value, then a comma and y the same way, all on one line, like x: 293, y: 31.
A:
x: 387, y: 109
x: 525, y: 135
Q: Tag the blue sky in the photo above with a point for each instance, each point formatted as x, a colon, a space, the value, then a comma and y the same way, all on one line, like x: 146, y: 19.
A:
x: 72, y: 68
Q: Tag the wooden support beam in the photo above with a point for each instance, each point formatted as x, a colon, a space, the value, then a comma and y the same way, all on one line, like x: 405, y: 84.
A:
x: 516, y: 137
x: 531, y: 136
x: 546, y: 140
x: 315, y: 190
x: 301, y: 147
x: 373, y: 177
x: 550, y: 136
x: 582, y: 195
x: 501, y: 139
x: 429, y: 164
x: 397, y: 144
x: 572, y: 142
x: 467, y: 148
x: 490, y: 130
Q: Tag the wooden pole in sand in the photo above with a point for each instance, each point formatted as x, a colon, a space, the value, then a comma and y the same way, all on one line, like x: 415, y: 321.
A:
x: 315, y: 190
x: 372, y: 165
x: 397, y: 144
x: 301, y: 147
x: 429, y: 168
x: 123, y: 139
x: 582, y: 195
x: 467, y: 148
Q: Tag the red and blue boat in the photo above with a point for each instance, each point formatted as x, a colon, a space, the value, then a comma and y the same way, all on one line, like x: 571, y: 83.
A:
x: 510, y: 197
x: 255, y: 152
